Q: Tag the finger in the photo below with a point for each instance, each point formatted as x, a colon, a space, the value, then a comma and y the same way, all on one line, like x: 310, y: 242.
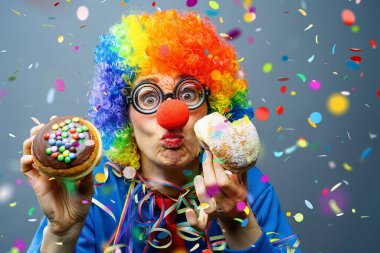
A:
x: 27, y: 168
x: 209, y: 174
x: 27, y: 146
x: 198, y: 223
x: 35, y: 129
x: 237, y: 188
x: 223, y: 180
x: 203, y: 196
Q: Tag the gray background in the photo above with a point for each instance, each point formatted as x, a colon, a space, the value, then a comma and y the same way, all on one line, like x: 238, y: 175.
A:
x: 299, y: 176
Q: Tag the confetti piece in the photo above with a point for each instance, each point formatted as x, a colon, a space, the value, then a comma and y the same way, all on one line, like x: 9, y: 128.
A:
x: 303, y: 12
x: 316, y: 117
x: 16, y: 12
x: 302, y: 142
x: 59, y: 85
x: 47, y: 25
x: 315, y: 84
x: 337, y: 104
x: 244, y: 223
x: 311, y: 59
x: 196, y: 246
x: 302, y: 77
x: 6, y: 192
x: 82, y: 13
x: 212, y: 13
x: 336, y: 186
x: 213, y: 4
x: 298, y: 217
x: 12, y: 135
x: 373, y: 43
x: 283, y: 89
x: 264, y: 179
x: 35, y: 120
x: 249, y: 17
x: 348, y: 17
x: 355, y: 29
x: 310, y: 26
x: 203, y: 206
x: 187, y: 173
x: 285, y: 58
x: 31, y: 210
x: 241, y: 205
x: 347, y: 167
x: 278, y: 154
x: 129, y: 172
x: 280, y: 110
x: 60, y: 38
x: 32, y: 220
x: 366, y: 152
x: 283, y: 79
x: 334, y: 206
x: 316, y: 39
x: 13, y: 204
x: 325, y: 192
x: 50, y: 96
x: 191, y: 3
x: 308, y: 204
x: 267, y: 67
x: 262, y: 113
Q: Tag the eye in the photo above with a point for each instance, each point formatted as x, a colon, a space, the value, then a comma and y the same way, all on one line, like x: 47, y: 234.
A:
x: 189, y: 95
x: 149, y: 98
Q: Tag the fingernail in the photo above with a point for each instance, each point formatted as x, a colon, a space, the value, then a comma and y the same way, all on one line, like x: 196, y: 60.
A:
x: 197, y: 180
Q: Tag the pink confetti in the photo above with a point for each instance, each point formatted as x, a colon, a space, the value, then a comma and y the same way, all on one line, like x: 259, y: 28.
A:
x: 250, y: 39
x: 76, y: 48
x: 315, y: 84
x: 3, y: 93
x: 18, y: 181
x: 240, y: 206
x: 59, y: 85
x: 264, y: 178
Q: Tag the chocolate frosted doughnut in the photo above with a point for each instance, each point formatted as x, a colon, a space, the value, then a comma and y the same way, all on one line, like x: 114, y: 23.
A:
x: 235, y: 144
x: 67, y: 147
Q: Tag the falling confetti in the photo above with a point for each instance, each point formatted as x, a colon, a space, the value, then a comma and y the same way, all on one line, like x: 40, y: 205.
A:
x: 262, y: 113
x: 59, y: 85
x: 267, y: 67
x: 337, y: 104
x: 82, y: 13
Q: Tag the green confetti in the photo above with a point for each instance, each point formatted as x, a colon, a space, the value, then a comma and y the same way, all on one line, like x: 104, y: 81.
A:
x: 31, y: 210
x: 302, y: 77
x: 267, y: 67
x: 69, y: 185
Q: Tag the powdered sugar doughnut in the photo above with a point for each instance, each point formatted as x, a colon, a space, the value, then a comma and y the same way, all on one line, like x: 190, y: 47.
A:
x: 235, y: 144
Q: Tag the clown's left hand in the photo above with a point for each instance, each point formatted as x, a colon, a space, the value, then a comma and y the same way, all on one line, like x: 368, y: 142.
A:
x: 224, y: 195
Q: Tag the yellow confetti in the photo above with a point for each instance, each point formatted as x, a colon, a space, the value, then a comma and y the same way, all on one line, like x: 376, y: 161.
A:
x: 213, y: 4
x: 203, y: 206
x: 288, y: 214
x: 241, y: 59
x: 302, y: 11
x: 13, y: 204
x: 311, y: 123
x: 16, y: 12
x: 337, y: 104
x: 246, y: 210
x: 316, y: 39
x: 249, y: 17
x: 298, y: 217
x: 47, y: 25
x: 353, y: 210
x: 293, y: 93
x: 52, y: 178
x: 347, y: 167
x: 334, y: 206
x: 60, y: 38
x: 302, y: 142
x: 221, y: 20
x: 310, y: 26
x: 278, y: 129
x: 100, y: 177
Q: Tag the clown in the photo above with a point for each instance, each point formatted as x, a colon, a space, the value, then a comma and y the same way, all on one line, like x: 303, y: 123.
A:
x: 156, y: 76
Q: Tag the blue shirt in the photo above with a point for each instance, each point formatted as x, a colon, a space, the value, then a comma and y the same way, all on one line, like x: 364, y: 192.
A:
x: 100, y: 225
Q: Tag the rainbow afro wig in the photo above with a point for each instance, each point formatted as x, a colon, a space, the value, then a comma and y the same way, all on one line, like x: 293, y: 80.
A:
x: 163, y: 42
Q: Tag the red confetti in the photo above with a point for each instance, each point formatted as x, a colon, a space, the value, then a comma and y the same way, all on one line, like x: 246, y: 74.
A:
x: 325, y: 192
x: 153, y: 3
x: 262, y: 113
x: 356, y: 58
x: 348, y: 17
x: 355, y: 49
x: 280, y: 110
x: 283, y: 79
x: 373, y: 43
x: 283, y: 89
x: 56, y: 4
x: 378, y: 93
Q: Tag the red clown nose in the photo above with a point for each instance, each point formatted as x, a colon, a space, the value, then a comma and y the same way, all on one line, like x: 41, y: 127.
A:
x: 172, y: 114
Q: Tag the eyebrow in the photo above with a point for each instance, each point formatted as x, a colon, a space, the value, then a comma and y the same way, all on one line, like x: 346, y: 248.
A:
x: 156, y: 80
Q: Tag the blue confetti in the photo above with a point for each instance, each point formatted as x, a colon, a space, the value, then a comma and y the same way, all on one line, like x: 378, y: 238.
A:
x: 352, y: 65
x: 366, y: 152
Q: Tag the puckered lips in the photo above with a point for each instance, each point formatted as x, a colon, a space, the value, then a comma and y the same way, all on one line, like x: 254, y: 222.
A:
x: 172, y: 140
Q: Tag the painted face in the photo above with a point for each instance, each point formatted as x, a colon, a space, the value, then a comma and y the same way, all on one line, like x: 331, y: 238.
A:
x: 180, y: 147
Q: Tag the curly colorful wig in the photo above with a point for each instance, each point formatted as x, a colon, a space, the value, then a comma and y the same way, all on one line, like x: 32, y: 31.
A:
x: 162, y: 42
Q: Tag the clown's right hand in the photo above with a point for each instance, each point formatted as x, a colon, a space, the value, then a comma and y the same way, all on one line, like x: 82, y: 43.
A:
x: 66, y: 209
